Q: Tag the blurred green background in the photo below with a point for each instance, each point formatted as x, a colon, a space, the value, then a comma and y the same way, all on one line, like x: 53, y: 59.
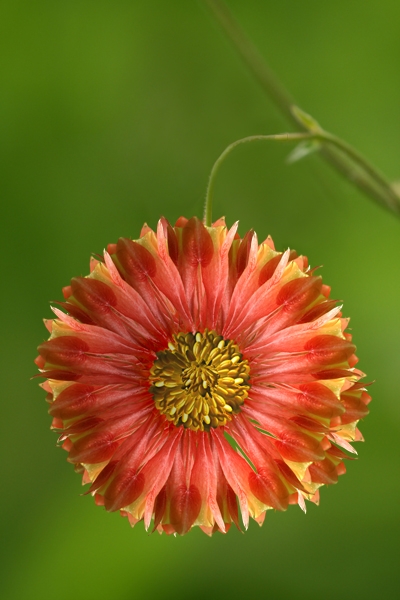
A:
x: 112, y: 114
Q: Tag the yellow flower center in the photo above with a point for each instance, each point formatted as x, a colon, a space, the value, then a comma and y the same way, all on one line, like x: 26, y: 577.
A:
x: 200, y: 381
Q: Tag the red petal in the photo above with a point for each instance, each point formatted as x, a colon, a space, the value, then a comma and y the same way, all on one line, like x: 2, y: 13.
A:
x: 198, y: 247
x: 292, y: 442
x: 159, y: 507
x: 317, y: 311
x: 157, y: 471
x: 266, y: 483
x: 242, y: 257
x: 135, y: 260
x: 324, y: 472
x: 319, y: 400
x: 100, y: 444
x: 81, y: 426
x: 94, y: 448
x: 232, y: 505
x: 268, y: 269
x: 181, y: 222
x: 127, y: 481
x: 268, y: 488
x: 185, y: 507
x: 64, y: 351
x: 75, y: 311
x: 124, y: 489
x: 299, y: 293
x: 329, y: 349
x: 103, y: 477
x: 94, y: 295
x: 78, y: 399
x: 204, y: 477
x: 172, y: 240
x: 236, y: 471
x: 355, y: 405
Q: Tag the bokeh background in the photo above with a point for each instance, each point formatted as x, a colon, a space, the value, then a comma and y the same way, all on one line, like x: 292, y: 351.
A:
x: 112, y: 114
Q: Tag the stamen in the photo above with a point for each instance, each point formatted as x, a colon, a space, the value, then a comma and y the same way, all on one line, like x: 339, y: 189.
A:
x: 200, y: 381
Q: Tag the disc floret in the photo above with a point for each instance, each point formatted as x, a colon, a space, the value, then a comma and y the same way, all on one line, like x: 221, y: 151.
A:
x: 200, y: 381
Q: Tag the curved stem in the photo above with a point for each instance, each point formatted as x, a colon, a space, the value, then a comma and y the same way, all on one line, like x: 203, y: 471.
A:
x: 338, y: 153
x: 282, y: 137
x: 326, y: 138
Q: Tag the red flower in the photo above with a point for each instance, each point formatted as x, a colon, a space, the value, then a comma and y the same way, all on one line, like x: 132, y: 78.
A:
x: 192, y: 369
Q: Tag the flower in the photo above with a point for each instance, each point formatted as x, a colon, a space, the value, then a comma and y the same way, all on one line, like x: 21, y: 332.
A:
x: 194, y: 371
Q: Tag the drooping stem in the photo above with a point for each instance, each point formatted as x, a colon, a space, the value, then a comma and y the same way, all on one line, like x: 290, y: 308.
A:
x: 338, y: 153
x: 283, y: 137
x: 317, y: 135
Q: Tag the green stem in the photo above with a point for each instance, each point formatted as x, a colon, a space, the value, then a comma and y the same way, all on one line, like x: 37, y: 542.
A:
x: 318, y: 135
x: 381, y: 189
x: 252, y: 58
x: 338, y: 153
x: 282, y: 137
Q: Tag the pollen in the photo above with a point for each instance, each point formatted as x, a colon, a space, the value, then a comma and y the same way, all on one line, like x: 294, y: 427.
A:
x: 200, y: 381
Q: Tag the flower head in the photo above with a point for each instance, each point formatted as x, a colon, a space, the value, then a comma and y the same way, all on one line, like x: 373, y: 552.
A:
x: 193, y: 371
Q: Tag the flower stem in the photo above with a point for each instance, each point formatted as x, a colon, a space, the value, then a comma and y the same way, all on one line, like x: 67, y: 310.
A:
x: 318, y: 135
x: 345, y: 159
x: 282, y: 137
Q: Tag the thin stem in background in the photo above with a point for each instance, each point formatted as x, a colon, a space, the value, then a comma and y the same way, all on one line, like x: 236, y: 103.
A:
x: 345, y: 159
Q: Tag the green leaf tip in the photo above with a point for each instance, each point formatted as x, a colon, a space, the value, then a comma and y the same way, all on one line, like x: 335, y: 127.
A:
x: 306, y: 120
x: 302, y: 150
